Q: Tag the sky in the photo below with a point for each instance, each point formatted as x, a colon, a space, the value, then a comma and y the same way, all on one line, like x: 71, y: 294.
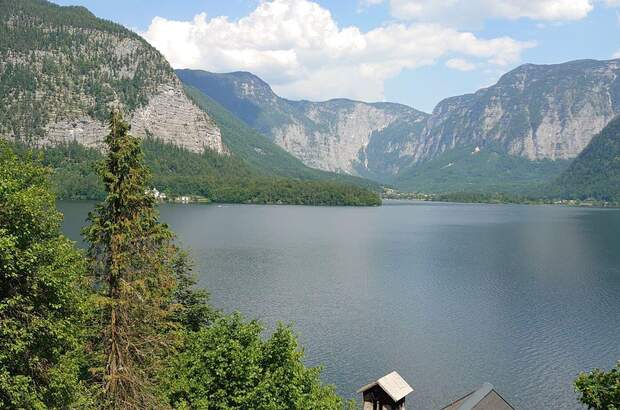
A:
x: 414, y: 52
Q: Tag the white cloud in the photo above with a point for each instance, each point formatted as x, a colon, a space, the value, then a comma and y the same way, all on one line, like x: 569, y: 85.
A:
x: 368, y: 3
x: 297, y: 47
x: 460, y: 64
x: 616, y: 54
x: 468, y: 12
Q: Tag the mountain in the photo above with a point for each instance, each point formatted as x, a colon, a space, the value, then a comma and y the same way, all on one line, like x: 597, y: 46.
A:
x: 596, y: 171
x: 337, y: 135
x: 521, y: 132
x: 62, y: 69
x: 534, y: 111
x: 516, y: 135
x: 259, y: 153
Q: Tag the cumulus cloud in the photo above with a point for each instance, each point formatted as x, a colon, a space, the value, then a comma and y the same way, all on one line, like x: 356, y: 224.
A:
x: 460, y: 64
x: 467, y: 12
x: 298, y: 48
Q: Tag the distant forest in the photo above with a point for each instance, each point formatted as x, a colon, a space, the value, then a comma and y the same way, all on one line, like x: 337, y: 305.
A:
x: 177, y: 171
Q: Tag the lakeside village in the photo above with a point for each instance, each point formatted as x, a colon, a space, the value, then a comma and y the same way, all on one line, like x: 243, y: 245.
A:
x: 181, y: 199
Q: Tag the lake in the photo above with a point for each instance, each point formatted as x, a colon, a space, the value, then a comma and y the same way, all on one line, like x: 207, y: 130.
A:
x: 449, y: 295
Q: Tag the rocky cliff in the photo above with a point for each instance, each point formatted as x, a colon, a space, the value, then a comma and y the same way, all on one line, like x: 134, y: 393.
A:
x: 337, y: 135
x: 62, y: 70
x: 535, y: 111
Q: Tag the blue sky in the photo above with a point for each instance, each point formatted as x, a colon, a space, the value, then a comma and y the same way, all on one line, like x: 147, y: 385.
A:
x: 415, y: 52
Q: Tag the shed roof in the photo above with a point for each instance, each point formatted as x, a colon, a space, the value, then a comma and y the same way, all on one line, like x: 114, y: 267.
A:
x: 485, y: 398
x: 393, y: 384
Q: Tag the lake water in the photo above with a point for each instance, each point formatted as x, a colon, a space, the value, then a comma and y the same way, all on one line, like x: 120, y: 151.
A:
x: 449, y: 295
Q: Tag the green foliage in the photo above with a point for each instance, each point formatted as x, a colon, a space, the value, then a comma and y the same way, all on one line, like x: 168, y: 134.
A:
x: 487, y: 171
x: 178, y: 171
x: 42, y: 298
x: 134, y: 265
x: 144, y: 337
x: 599, y: 389
x: 192, y: 308
x: 596, y: 171
x: 491, y: 198
x: 228, y: 365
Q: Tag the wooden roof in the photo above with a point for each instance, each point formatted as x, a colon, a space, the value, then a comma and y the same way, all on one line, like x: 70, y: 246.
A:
x: 485, y: 398
x: 393, y: 384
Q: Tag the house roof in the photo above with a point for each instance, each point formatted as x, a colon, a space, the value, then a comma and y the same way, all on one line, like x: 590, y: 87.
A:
x: 393, y: 384
x: 485, y: 398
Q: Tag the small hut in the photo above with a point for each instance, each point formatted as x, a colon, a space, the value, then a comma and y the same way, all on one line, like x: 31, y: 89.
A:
x: 387, y: 393
x: 485, y: 398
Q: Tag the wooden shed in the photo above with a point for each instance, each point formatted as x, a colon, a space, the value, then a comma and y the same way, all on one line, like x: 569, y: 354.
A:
x: 485, y: 398
x: 387, y: 393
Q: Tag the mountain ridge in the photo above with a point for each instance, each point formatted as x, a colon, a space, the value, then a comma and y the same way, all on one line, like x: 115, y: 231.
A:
x: 537, y: 112
x: 555, y: 109
x: 63, y: 69
x: 309, y: 130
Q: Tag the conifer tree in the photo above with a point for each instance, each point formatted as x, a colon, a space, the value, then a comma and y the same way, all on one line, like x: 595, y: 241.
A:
x: 135, y: 266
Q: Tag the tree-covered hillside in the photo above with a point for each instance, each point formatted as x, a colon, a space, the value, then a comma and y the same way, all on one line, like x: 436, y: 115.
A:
x: 466, y: 169
x: 177, y: 171
x: 596, y: 171
x: 62, y: 70
x: 53, y: 66
x: 259, y: 153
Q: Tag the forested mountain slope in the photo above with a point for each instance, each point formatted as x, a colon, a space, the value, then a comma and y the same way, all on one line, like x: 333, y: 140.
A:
x: 61, y: 72
x: 337, y: 135
x: 62, y: 69
x: 596, y: 171
x: 259, y: 153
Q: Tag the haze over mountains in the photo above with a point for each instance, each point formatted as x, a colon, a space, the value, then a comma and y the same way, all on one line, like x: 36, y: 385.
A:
x: 63, y: 69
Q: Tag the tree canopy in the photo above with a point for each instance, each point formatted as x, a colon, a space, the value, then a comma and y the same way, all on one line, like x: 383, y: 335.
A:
x: 600, y: 389
x: 42, y: 292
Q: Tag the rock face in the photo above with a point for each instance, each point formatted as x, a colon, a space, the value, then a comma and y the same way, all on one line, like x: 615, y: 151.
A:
x: 337, y: 135
x: 535, y: 111
x: 169, y: 115
x: 62, y: 70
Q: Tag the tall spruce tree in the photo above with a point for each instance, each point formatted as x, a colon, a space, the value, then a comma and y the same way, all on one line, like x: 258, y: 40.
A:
x: 136, y: 267
x: 42, y: 297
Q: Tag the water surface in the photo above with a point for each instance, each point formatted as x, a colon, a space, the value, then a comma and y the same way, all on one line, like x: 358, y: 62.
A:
x: 449, y: 295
